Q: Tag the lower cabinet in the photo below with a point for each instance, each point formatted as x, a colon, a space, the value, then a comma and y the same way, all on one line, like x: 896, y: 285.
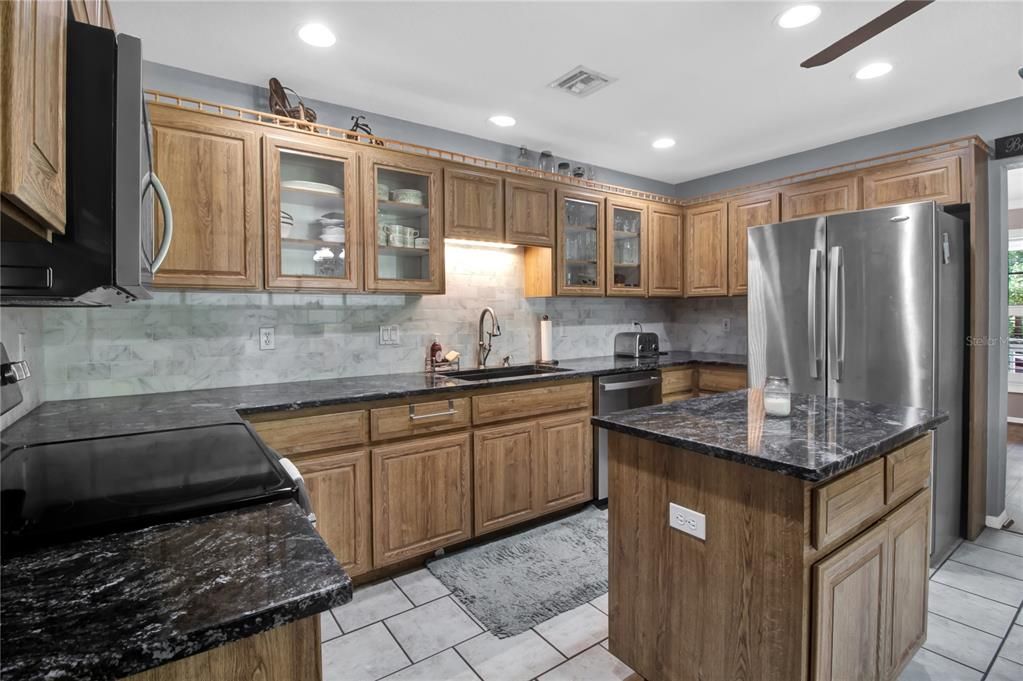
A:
x: 339, y: 489
x: 564, y: 462
x: 870, y: 599
x: 421, y: 497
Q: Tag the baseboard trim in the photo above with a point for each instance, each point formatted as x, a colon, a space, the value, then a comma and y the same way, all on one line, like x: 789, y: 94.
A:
x: 996, y: 521
x: 1015, y: 419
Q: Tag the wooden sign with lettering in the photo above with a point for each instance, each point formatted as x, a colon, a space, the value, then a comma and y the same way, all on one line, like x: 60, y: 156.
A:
x: 1009, y: 146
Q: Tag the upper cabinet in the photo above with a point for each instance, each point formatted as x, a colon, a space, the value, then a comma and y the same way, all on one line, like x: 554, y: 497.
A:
x: 209, y: 166
x: 529, y: 212
x: 312, y: 234
x: 32, y: 100
x: 929, y: 180
x: 404, y: 220
x: 748, y: 210
x: 626, y: 248
x: 664, y: 251
x: 95, y: 12
x: 473, y: 205
x: 580, y: 250
x: 820, y: 197
x: 706, y: 249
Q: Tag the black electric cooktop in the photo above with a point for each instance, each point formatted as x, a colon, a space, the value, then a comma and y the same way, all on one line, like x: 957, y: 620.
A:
x: 61, y: 491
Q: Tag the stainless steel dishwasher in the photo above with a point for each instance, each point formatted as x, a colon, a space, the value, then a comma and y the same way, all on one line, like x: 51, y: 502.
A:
x: 619, y: 392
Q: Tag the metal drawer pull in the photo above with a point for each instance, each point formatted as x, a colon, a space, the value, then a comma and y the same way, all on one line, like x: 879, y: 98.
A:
x: 415, y: 417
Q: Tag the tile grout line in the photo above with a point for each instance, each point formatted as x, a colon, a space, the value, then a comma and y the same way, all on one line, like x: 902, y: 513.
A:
x: 935, y: 652
x: 967, y: 591
x: 994, y: 572
x: 468, y: 664
x: 964, y: 624
x: 1002, y: 644
x: 400, y: 646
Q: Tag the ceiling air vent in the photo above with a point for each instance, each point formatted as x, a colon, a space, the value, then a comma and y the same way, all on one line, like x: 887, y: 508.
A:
x: 581, y: 81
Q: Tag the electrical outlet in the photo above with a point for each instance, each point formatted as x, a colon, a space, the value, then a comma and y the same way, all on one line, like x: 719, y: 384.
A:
x: 726, y: 324
x: 267, y: 340
x: 395, y: 335
x: 687, y: 520
x: 389, y: 335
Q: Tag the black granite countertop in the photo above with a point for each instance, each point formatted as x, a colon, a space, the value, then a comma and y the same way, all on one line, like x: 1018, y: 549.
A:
x: 104, y: 416
x: 108, y: 607
x: 820, y: 439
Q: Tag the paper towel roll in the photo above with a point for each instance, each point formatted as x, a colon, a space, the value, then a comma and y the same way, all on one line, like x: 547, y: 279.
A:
x: 546, y: 340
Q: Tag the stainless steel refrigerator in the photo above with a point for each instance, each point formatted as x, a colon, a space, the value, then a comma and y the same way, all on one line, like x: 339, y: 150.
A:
x: 870, y: 306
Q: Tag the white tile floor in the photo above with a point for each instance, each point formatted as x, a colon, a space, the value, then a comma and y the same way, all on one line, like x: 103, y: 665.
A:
x: 411, y: 628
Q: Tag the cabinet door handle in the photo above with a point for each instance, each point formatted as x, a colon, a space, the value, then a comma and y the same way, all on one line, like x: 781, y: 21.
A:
x: 413, y: 416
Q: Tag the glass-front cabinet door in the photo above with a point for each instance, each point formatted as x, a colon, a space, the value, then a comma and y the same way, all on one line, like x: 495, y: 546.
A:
x: 312, y: 231
x: 580, y: 254
x: 407, y: 251
x: 626, y: 248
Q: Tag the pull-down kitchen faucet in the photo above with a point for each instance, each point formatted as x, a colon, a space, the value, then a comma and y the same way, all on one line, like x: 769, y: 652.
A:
x: 483, y: 347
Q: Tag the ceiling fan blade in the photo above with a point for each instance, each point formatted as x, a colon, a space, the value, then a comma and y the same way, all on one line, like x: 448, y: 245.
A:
x: 866, y: 32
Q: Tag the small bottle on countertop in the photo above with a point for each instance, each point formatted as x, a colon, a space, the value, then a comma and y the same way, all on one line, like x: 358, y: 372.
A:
x: 436, y: 351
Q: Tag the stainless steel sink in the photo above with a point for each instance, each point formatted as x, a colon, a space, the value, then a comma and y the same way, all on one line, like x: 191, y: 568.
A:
x: 504, y: 372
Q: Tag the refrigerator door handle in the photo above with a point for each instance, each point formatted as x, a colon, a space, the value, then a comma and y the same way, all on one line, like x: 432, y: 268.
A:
x: 811, y: 312
x: 836, y: 311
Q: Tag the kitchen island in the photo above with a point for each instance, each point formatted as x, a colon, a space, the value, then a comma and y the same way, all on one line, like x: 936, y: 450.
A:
x: 813, y: 560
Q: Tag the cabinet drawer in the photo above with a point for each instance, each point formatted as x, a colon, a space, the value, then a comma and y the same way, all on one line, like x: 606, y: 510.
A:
x: 843, y: 505
x: 389, y: 423
x: 678, y: 397
x: 722, y: 380
x: 531, y: 402
x: 676, y: 381
x: 907, y: 470
x: 301, y: 434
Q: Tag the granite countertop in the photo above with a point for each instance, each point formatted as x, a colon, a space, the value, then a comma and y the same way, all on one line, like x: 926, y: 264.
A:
x: 820, y: 439
x: 108, y: 607
x: 104, y: 416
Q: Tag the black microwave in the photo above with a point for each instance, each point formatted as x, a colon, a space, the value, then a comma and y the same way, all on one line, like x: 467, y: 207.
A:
x: 105, y: 255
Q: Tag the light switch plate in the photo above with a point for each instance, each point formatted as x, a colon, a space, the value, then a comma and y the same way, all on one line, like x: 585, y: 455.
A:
x: 390, y: 335
x: 726, y: 324
x: 267, y: 339
x: 687, y: 520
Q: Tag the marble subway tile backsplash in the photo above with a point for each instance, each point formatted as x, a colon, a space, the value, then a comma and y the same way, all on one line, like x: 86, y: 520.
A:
x: 185, y: 340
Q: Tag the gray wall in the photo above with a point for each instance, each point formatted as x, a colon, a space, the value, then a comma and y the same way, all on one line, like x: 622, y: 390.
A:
x: 221, y: 91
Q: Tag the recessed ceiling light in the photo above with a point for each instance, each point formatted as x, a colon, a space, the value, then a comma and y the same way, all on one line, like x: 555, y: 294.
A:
x: 800, y: 15
x: 663, y: 143
x: 502, y: 121
x: 875, y: 70
x: 317, y: 35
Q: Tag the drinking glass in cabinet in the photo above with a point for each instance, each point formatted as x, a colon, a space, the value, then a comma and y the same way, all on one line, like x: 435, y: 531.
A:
x: 312, y: 215
x: 403, y: 225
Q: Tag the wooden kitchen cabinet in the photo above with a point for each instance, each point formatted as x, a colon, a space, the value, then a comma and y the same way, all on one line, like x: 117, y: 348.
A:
x: 706, y: 249
x: 503, y: 475
x: 421, y: 497
x: 721, y: 379
x: 32, y: 113
x: 473, y: 205
x: 664, y: 251
x: 339, y: 490
x: 908, y: 537
x: 404, y: 224
x: 94, y: 12
x: 563, y: 462
x: 580, y: 249
x: 626, y: 247
x: 927, y: 180
x: 312, y: 238
x: 745, y: 211
x: 820, y: 197
x: 529, y: 212
x: 210, y: 168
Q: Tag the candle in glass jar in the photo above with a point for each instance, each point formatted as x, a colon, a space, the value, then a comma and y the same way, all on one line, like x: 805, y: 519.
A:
x: 777, y: 400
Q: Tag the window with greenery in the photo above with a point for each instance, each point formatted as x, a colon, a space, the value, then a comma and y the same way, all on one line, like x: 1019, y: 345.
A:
x: 1015, y: 284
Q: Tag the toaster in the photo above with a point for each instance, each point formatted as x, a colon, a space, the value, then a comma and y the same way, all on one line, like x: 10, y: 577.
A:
x: 637, y: 344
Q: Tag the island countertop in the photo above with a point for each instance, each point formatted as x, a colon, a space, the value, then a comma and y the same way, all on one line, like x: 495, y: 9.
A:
x: 819, y: 440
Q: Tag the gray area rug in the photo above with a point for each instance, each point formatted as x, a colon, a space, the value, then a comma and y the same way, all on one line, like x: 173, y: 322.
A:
x: 519, y: 581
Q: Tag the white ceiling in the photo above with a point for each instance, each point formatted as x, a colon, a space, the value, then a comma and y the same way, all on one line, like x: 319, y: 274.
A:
x: 720, y: 77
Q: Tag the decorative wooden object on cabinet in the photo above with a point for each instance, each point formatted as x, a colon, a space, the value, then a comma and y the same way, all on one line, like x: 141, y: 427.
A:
x: 473, y: 205
x: 928, y: 180
x: 339, y: 490
x: 820, y: 197
x: 626, y: 247
x: 664, y: 248
x: 748, y: 210
x: 32, y: 111
x: 421, y: 497
x: 503, y: 475
x: 412, y: 270
x: 706, y: 249
x: 529, y: 212
x: 210, y: 168
x: 287, y: 653
x: 580, y: 250
x: 563, y: 462
x: 289, y: 261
